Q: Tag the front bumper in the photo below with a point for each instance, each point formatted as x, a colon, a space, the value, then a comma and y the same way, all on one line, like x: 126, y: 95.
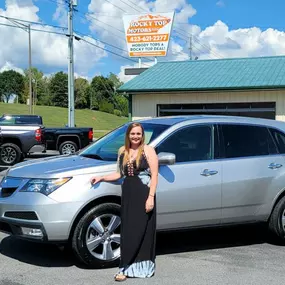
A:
x: 22, y: 212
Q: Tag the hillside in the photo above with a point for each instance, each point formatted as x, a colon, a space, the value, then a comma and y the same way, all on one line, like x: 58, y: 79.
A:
x: 58, y: 117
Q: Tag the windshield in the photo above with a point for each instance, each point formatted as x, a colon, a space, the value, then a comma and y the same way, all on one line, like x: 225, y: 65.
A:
x: 107, y: 147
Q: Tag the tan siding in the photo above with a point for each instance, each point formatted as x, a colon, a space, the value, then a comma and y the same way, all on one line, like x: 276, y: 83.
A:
x: 144, y: 105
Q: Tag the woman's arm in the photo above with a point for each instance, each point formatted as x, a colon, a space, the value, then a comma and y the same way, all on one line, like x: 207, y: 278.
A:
x: 112, y: 176
x: 153, y: 165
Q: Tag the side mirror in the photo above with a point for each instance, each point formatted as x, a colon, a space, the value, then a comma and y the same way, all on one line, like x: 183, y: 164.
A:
x: 166, y: 158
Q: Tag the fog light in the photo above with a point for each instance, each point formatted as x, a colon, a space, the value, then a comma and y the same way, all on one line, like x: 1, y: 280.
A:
x: 32, y: 232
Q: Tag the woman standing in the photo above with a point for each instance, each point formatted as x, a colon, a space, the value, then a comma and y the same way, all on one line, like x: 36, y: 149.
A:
x: 138, y: 164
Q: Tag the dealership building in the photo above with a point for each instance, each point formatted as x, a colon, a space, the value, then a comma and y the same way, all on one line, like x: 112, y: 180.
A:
x: 252, y: 87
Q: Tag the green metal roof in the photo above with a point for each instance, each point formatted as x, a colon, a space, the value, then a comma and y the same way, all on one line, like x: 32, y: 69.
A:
x: 233, y: 73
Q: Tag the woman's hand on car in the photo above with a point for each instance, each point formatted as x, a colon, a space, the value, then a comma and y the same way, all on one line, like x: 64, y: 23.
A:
x: 96, y: 179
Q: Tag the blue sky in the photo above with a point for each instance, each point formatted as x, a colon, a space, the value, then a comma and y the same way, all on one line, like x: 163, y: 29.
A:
x: 223, y: 28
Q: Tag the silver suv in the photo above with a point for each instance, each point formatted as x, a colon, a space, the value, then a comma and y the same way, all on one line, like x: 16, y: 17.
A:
x: 214, y: 170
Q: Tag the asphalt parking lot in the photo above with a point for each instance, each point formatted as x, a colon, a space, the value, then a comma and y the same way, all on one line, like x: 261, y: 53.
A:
x: 240, y: 255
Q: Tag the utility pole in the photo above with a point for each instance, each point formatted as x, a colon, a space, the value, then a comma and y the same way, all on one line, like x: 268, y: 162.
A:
x: 71, y: 110
x: 30, y: 69
x: 190, y: 47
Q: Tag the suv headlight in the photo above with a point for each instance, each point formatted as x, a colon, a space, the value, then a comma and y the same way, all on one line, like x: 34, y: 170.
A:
x: 44, y: 186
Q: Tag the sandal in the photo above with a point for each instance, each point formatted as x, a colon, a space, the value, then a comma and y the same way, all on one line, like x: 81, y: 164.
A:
x: 120, y: 277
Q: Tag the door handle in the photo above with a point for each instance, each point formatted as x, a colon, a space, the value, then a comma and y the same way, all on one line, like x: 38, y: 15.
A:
x: 207, y: 172
x: 274, y: 165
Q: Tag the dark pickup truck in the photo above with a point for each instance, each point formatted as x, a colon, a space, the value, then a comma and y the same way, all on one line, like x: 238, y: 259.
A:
x: 66, y: 140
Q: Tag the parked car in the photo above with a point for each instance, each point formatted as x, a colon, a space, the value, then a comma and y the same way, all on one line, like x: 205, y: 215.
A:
x: 19, y: 140
x: 65, y: 140
x: 214, y: 171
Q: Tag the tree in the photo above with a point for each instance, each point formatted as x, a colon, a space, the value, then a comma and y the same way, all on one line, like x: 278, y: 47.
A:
x: 11, y: 83
x: 46, y: 97
x: 92, y: 101
x: 59, y: 89
x: 122, y: 104
x: 117, y: 83
x: 81, y: 94
x: 39, y: 87
x: 103, y: 88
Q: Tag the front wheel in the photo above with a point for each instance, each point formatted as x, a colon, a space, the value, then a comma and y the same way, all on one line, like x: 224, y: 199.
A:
x: 96, y: 238
x: 277, y: 220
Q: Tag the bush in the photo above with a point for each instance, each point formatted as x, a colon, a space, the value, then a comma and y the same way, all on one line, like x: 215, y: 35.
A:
x: 106, y: 107
x: 117, y: 113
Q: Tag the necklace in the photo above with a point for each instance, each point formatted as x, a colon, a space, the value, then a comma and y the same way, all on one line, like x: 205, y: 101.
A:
x: 133, y: 154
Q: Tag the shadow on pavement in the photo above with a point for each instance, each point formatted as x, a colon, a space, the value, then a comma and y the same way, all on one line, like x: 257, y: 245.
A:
x: 44, y: 255
x: 48, y: 255
x: 205, y: 239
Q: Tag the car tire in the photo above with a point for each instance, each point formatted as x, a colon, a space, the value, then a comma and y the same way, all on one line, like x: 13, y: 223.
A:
x: 10, y: 154
x: 68, y: 147
x: 83, y: 231
x: 275, y: 222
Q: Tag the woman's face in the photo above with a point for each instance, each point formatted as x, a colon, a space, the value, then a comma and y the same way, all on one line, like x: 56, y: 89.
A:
x: 136, y: 136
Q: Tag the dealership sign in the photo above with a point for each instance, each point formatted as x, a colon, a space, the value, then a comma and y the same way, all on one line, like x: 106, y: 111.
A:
x: 148, y: 34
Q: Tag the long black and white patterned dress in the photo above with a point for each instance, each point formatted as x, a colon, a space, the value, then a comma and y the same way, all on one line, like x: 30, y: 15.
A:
x: 138, y: 228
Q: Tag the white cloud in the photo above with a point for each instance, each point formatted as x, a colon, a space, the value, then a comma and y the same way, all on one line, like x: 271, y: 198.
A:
x: 48, y: 50
x: 9, y: 66
x: 220, y: 3
x: 60, y: 14
x: 249, y: 42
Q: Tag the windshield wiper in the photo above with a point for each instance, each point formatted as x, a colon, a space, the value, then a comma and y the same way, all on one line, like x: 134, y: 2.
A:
x: 94, y: 156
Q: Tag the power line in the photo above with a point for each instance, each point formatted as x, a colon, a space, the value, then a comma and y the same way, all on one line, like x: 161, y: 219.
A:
x: 124, y: 57
x: 90, y: 15
x: 116, y: 6
x: 33, y: 23
x: 106, y: 43
x: 116, y: 35
x: 129, y: 5
x: 36, y: 30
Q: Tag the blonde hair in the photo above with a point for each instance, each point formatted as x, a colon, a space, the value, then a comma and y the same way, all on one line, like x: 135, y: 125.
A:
x: 128, y: 144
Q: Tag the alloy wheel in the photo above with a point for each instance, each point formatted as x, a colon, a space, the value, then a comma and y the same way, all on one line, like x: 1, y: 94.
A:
x: 68, y: 149
x: 103, y: 237
x: 8, y: 155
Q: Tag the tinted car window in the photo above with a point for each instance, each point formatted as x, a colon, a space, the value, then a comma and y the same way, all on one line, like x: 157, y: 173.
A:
x: 28, y: 120
x: 279, y: 138
x: 243, y: 141
x: 7, y: 120
x: 107, y: 147
x: 189, y: 144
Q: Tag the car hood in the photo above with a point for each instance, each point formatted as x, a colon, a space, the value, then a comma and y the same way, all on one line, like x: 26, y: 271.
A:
x: 60, y: 166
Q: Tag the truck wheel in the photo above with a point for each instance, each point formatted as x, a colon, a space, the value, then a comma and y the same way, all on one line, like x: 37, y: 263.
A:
x: 277, y: 220
x: 68, y: 147
x: 96, y: 238
x: 10, y: 154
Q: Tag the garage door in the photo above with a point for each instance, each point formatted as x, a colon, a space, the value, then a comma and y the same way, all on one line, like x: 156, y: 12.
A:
x: 264, y: 110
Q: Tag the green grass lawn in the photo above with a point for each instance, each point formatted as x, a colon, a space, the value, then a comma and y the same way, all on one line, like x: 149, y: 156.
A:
x: 58, y: 117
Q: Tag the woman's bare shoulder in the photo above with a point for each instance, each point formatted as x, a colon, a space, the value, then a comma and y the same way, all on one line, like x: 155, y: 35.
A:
x: 149, y: 150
